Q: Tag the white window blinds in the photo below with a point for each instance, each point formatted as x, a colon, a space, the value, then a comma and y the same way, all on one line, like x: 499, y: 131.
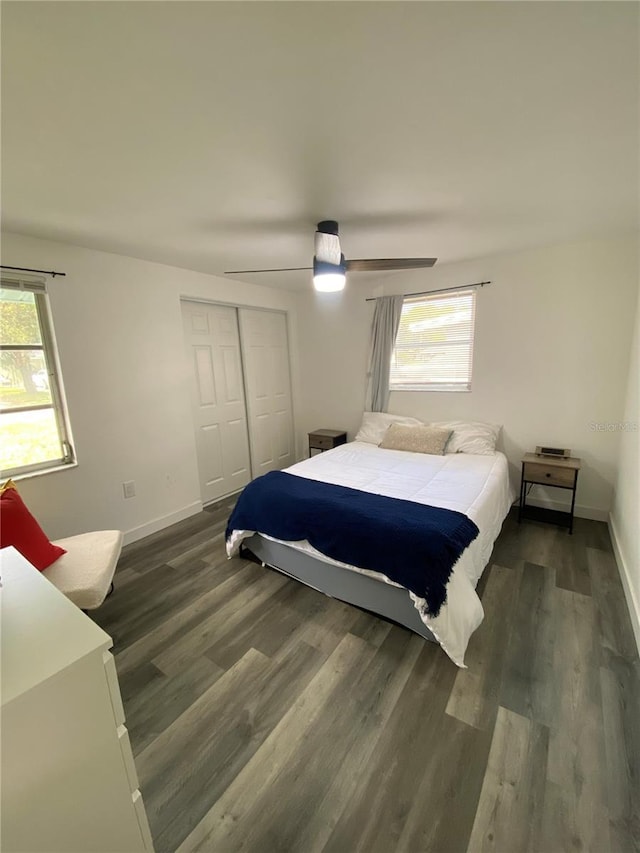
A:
x: 434, y: 345
x: 34, y: 285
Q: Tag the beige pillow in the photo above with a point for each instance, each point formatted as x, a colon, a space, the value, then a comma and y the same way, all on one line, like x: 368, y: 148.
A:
x: 416, y: 439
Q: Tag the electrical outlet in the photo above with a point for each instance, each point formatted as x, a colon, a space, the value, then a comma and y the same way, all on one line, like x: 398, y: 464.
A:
x: 129, y: 489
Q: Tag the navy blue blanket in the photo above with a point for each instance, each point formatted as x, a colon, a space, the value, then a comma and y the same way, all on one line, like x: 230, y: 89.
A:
x: 414, y: 545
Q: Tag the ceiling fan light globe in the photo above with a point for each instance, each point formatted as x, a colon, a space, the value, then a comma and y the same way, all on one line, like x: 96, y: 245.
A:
x: 329, y: 282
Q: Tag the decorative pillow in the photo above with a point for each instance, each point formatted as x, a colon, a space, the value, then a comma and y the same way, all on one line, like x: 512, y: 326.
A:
x: 8, y: 485
x: 471, y: 437
x: 20, y: 529
x: 416, y: 439
x: 375, y: 425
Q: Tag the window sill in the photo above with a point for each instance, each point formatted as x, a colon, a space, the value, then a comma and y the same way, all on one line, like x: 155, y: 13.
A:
x: 28, y: 475
x: 449, y: 389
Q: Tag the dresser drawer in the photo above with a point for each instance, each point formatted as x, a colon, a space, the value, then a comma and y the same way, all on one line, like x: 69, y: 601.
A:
x: 114, y: 689
x: 143, y: 822
x: 127, y: 757
x: 538, y: 472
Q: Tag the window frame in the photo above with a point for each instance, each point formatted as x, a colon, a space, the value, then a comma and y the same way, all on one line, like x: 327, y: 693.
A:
x: 49, y: 352
x: 427, y: 385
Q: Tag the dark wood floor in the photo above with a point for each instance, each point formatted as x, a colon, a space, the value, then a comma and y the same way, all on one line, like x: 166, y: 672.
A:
x: 265, y: 716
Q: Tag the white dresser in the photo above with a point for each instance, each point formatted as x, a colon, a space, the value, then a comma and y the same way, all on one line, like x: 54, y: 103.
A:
x: 68, y: 776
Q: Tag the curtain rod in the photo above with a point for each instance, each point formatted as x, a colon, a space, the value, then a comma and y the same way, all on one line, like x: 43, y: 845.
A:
x: 27, y: 269
x: 428, y: 292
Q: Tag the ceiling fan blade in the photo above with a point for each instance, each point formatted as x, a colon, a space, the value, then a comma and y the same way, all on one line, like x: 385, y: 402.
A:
x: 388, y: 264
x: 283, y: 269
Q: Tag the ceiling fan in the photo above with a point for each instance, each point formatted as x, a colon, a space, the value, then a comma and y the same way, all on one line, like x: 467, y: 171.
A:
x: 330, y: 266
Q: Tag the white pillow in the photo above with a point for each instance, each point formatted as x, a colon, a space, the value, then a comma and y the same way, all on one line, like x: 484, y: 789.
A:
x: 471, y: 437
x: 375, y: 424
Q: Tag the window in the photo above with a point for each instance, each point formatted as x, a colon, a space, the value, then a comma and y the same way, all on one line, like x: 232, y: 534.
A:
x: 33, y: 425
x: 434, y: 345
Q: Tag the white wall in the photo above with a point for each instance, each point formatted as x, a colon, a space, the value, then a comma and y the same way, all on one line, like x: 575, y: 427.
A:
x: 553, y: 336
x: 334, y: 348
x: 625, y: 513
x: 553, y: 333
x: 119, y: 331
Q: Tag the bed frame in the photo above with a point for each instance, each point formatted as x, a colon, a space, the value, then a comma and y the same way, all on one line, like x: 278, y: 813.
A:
x: 363, y: 591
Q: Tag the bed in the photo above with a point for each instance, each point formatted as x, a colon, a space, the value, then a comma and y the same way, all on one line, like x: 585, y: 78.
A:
x: 475, y: 485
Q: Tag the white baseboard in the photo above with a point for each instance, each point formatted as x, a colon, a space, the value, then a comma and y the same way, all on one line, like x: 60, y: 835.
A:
x: 625, y: 575
x: 160, y: 523
x: 580, y: 510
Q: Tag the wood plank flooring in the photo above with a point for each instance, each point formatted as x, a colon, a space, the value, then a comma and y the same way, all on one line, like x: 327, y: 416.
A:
x: 265, y: 716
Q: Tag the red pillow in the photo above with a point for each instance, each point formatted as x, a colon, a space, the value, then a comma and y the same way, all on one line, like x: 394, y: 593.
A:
x: 20, y: 529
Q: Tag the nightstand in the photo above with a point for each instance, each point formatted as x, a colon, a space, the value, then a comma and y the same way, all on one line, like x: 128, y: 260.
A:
x: 325, y: 439
x: 545, y: 471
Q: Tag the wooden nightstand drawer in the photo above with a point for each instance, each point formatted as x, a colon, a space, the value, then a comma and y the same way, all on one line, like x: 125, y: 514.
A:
x: 320, y: 442
x: 539, y: 472
x: 326, y: 439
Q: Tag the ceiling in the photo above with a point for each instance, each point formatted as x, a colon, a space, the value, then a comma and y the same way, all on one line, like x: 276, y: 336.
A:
x: 213, y: 135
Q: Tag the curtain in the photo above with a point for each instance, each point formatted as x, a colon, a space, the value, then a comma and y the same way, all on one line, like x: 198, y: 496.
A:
x: 386, y: 320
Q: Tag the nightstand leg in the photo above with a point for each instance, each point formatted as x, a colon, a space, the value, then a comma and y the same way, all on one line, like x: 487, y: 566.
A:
x: 522, y: 491
x: 573, y: 503
x: 520, y: 505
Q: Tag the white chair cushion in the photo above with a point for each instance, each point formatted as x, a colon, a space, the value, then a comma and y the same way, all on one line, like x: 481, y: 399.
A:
x: 85, y: 572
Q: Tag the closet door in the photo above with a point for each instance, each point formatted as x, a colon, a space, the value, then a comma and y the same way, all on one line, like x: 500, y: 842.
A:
x: 265, y: 354
x: 217, y: 398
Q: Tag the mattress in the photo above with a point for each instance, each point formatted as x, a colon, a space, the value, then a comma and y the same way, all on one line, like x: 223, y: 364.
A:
x: 477, y: 486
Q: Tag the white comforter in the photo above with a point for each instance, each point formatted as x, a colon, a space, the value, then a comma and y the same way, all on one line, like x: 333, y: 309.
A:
x: 477, y: 486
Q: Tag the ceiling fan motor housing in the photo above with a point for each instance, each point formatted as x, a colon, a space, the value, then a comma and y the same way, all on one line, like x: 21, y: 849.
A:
x: 325, y: 268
